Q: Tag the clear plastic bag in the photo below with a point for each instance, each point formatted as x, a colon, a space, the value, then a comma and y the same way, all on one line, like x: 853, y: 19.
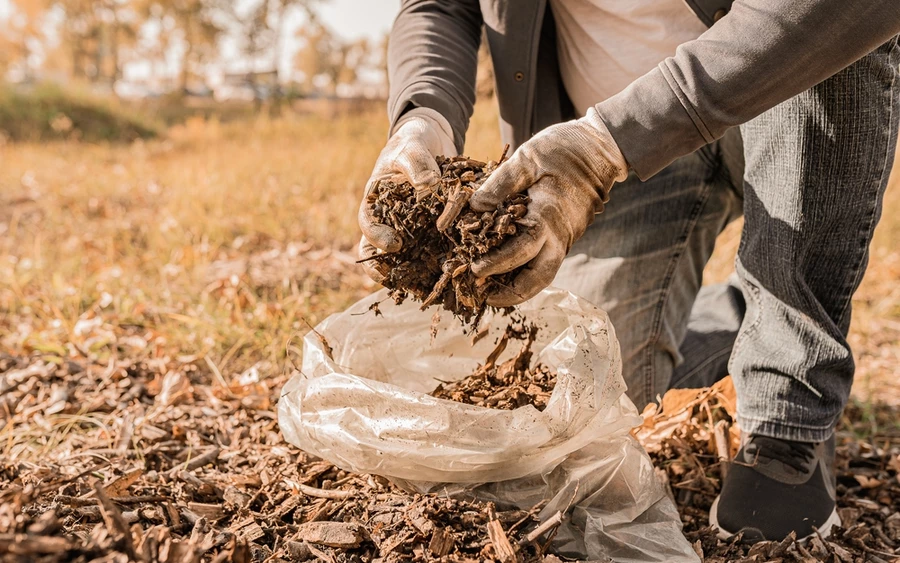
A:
x: 362, y: 403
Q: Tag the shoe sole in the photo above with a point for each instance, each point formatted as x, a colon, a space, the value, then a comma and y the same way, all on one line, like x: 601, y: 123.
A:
x: 824, y: 529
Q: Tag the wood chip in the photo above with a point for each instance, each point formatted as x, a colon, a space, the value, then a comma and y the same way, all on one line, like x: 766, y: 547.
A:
x: 441, y: 543
x: 503, y: 550
x: 247, y: 530
x: 114, y: 520
x: 393, y: 542
x: 25, y: 545
x: 332, y: 534
x: 118, y: 487
x: 208, y: 511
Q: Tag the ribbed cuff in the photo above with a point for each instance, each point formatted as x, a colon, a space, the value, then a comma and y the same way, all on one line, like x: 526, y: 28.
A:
x: 607, y: 145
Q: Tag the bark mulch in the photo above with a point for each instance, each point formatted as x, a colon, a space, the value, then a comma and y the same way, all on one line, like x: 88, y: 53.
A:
x: 163, y: 459
x: 434, y: 264
x: 508, y: 385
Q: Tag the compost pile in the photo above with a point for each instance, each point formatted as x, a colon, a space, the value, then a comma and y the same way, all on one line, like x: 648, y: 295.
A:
x: 507, y: 385
x: 434, y: 264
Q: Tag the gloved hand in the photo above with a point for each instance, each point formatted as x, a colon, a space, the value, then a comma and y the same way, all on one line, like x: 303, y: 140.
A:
x: 417, y: 139
x: 567, y: 170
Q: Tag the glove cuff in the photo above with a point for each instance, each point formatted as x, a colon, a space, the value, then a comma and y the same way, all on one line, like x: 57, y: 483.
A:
x: 606, y: 144
x: 436, y: 122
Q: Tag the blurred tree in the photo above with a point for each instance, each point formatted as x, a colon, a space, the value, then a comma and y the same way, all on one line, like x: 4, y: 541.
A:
x: 328, y: 62
x: 97, y: 35
x: 259, y: 29
x: 195, y: 26
x: 21, y: 36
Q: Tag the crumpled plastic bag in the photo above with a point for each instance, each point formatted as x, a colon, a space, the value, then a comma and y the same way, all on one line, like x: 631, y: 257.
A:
x: 361, y: 402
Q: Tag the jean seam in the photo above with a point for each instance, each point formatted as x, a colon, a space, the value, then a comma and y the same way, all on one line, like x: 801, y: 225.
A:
x: 859, y: 272
x: 650, y: 374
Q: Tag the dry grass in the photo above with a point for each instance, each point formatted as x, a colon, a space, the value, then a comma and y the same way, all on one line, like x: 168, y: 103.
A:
x: 153, y: 235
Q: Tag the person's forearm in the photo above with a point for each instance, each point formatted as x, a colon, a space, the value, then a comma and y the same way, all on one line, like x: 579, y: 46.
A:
x: 762, y: 53
x: 432, y: 60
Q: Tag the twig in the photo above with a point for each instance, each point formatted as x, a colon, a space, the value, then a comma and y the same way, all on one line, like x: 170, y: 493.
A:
x: 375, y: 256
x: 534, y: 510
x: 197, y: 462
x: 91, y: 501
x: 503, y: 154
x: 324, y: 493
x: 534, y: 534
x: 720, y: 432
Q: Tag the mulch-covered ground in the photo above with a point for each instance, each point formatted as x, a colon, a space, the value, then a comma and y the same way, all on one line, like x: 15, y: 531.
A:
x: 162, y: 459
x: 694, y: 430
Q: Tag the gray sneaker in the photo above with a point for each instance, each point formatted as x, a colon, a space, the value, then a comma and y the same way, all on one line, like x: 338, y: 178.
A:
x: 775, y: 487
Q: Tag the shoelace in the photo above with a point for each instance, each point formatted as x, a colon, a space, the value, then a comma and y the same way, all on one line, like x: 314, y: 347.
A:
x: 793, y: 454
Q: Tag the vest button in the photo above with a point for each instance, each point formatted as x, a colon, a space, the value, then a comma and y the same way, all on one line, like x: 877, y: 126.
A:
x: 720, y: 13
x: 519, y: 76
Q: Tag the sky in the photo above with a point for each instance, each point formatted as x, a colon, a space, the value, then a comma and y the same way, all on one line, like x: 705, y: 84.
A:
x: 352, y: 18
x: 359, y: 18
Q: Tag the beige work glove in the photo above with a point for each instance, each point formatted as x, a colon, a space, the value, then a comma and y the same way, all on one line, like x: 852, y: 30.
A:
x: 415, y: 142
x: 567, y: 170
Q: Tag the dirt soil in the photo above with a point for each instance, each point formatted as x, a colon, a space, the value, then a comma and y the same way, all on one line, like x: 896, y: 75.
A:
x: 159, y: 459
x: 434, y: 264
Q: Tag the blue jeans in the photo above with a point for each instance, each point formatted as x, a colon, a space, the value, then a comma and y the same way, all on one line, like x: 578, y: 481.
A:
x: 808, y: 176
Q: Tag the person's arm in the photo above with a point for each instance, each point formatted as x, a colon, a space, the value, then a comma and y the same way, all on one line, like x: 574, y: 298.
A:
x: 759, y: 55
x: 432, y: 60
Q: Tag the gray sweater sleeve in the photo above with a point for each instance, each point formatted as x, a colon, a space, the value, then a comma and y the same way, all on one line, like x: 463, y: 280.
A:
x: 432, y: 60
x: 762, y: 53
